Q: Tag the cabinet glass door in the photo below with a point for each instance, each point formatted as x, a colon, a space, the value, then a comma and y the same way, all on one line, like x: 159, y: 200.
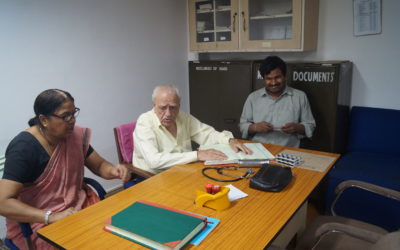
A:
x: 214, y: 24
x: 205, y: 26
x: 272, y: 24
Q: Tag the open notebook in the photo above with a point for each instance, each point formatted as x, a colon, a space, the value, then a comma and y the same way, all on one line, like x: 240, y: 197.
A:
x: 260, y: 154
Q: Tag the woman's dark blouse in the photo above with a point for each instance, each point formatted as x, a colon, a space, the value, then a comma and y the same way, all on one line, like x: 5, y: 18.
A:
x: 26, y: 158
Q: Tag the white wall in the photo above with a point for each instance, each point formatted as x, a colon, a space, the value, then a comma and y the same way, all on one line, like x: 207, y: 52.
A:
x: 108, y: 54
x: 375, y: 57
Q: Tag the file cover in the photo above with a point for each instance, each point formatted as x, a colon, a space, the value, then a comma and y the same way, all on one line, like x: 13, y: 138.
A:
x: 155, y: 226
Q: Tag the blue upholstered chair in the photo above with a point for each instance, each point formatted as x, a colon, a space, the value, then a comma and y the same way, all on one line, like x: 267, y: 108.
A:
x: 373, y: 156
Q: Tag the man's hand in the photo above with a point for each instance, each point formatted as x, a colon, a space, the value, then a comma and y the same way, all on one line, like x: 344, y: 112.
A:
x: 121, y: 172
x: 238, y: 146
x: 210, y: 155
x: 293, y: 128
x: 260, y: 127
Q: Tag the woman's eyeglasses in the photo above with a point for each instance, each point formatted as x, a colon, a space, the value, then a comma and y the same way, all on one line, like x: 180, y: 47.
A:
x: 68, y: 116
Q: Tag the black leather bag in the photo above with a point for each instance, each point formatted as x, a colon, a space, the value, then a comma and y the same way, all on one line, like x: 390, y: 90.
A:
x: 271, y: 178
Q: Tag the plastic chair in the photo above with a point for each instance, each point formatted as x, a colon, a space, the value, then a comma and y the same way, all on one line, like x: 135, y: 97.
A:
x: 124, y: 141
x: 338, y: 233
x: 26, y: 227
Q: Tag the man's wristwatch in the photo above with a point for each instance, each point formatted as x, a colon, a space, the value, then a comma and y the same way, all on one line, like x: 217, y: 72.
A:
x: 46, y: 217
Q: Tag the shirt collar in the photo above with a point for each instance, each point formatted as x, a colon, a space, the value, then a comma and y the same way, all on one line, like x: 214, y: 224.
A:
x: 286, y: 91
x: 155, y: 118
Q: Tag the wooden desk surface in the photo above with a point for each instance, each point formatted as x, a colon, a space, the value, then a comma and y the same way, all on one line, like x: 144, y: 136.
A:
x: 250, y: 223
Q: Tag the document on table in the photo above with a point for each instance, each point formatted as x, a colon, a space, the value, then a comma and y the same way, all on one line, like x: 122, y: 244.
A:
x: 311, y: 161
x: 259, y: 153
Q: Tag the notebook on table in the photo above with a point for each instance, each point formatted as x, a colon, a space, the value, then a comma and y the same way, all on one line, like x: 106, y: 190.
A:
x: 156, y: 226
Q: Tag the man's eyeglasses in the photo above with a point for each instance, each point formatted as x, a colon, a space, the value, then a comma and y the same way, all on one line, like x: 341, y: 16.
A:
x: 68, y: 116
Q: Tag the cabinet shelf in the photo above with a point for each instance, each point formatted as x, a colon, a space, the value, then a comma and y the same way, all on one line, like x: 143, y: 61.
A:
x: 212, y: 31
x: 223, y: 30
x: 271, y: 16
x: 223, y: 10
x: 212, y: 11
x: 205, y: 31
x: 204, y: 11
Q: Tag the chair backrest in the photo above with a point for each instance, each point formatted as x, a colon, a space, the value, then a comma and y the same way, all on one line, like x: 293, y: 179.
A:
x: 124, y: 141
x: 2, y: 162
x: 374, y: 130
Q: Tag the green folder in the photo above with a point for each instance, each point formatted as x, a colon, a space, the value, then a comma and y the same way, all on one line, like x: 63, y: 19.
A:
x: 155, y: 226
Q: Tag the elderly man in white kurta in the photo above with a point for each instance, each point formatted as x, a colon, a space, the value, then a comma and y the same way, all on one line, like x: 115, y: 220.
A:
x: 163, y: 135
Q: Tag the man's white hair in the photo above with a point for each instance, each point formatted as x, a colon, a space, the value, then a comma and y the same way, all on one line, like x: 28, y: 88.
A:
x: 169, y: 88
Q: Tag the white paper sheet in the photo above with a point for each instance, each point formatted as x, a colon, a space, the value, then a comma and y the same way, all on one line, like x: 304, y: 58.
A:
x: 235, y: 193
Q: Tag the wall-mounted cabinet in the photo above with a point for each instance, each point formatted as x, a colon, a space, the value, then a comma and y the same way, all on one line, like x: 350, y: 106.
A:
x: 253, y: 25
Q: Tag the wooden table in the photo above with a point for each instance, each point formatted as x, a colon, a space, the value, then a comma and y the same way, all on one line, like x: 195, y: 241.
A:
x: 250, y: 223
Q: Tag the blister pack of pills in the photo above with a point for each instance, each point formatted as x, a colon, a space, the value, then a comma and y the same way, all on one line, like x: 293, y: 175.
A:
x: 288, y: 159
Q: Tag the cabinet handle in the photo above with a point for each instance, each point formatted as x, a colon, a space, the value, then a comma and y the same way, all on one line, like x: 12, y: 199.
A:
x: 234, y: 22
x: 244, y: 22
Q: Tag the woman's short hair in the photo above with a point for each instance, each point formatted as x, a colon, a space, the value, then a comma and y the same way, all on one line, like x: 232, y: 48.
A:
x: 47, y: 102
x: 270, y: 63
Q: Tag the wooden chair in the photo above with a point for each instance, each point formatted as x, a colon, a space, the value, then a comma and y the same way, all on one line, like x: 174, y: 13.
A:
x: 124, y: 141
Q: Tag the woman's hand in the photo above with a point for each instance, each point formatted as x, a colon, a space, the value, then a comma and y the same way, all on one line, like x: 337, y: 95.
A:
x: 55, y: 216
x: 121, y: 172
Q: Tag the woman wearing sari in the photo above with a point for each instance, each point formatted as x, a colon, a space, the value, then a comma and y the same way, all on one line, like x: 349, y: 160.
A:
x: 44, y: 168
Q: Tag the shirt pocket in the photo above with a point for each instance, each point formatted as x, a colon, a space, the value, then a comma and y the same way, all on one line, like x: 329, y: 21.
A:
x: 186, y: 145
x: 284, y: 115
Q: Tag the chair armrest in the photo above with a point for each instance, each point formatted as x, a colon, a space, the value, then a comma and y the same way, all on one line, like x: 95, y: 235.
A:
x: 386, y: 192
x: 349, y: 230
x: 143, y: 173
x: 97, y: 186
x: 26, y: 233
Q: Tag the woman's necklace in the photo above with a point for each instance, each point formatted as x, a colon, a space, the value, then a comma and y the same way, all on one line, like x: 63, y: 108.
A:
x: 49, y: 147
